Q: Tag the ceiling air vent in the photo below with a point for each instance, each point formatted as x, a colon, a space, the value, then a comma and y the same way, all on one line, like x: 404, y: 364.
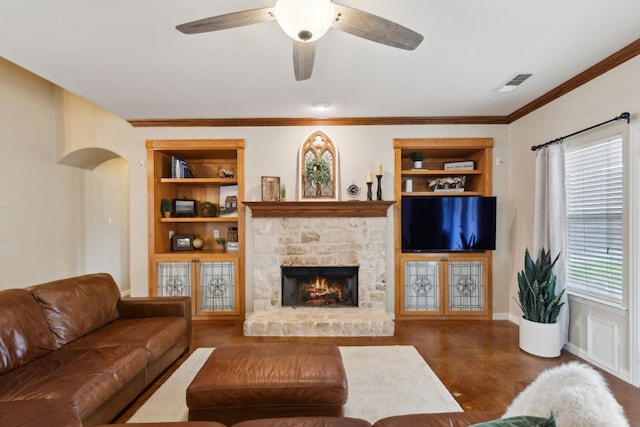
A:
x: 515, y: 81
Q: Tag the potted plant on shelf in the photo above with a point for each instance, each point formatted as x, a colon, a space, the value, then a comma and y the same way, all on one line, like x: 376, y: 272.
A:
x: 539, y: 329
x: 165, y: 208
x: 222, y: 244
x: 417, y: 157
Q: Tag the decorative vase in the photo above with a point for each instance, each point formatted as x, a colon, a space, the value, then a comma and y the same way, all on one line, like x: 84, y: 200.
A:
x: 540, y: 339
x: 408, y: 185
x: 417, y: 164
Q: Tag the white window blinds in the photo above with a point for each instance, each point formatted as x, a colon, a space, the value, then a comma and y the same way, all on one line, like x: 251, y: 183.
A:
x: 594, y: 217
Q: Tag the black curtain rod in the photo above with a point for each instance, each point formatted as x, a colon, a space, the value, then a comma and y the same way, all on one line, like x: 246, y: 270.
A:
x: 623, y: 116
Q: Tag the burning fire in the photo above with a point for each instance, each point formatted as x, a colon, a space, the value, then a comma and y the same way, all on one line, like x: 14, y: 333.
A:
x: 320, y: 292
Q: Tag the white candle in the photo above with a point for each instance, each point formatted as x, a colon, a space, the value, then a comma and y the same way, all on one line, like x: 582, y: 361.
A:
x: 379, y: 170
x: 369, y: 176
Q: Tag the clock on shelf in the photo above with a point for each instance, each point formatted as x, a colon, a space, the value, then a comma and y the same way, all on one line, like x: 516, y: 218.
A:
x: 353, y: 191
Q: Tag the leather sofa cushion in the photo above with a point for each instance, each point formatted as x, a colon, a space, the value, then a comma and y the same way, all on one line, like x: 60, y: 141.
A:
x: 84, y: 378
x: 443, y: 419
x: 155, y: 334
x: 169, y: 424
x: 76, y: 306
x: 38, y: 413
x: 24, y: 334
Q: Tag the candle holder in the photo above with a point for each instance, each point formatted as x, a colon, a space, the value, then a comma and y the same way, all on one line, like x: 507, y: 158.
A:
x: 369, y: 193
x: 379, y: 192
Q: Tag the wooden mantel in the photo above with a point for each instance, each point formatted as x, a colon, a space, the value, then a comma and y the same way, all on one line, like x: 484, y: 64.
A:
x: 319, y: 209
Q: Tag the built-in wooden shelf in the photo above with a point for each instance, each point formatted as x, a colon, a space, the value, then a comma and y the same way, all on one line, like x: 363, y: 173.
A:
x: 319, y: 209
x: 200, y: 219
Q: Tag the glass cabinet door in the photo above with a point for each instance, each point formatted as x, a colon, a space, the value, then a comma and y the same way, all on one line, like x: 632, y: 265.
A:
x: 174, y: 279
x: 466, y: 286
x: 422, y: 286
x: 217, y: 286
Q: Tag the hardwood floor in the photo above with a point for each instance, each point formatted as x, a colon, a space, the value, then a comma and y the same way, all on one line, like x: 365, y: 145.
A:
x: 478, y: 361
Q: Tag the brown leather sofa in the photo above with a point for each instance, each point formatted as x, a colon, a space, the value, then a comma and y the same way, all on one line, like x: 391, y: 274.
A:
x: 447, y: 419
x: 75, y: 343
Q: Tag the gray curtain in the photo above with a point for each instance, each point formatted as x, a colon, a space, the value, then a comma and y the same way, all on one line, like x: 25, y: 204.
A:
x: 549, y: 219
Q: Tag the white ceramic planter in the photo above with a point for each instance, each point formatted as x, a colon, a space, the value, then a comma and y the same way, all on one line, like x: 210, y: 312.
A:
x: 417, y: 164
x: 540, y: 339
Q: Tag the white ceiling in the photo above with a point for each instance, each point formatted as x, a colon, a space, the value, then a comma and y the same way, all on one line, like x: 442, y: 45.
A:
x: 127, y: 57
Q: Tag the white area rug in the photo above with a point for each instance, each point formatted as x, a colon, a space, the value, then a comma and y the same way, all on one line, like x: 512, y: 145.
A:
x: 383, y: 381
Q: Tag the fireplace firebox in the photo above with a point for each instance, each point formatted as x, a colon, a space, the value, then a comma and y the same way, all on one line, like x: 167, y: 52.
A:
x: 319, y: 286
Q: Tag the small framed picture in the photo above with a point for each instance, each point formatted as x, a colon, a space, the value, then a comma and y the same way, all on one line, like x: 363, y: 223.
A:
x: 228, y: 206
x: 270, y: 188
x: 182, y: 242
x: 184, y: 207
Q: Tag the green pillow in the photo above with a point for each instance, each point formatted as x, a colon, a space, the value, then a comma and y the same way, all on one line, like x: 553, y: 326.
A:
x: 522, y: 421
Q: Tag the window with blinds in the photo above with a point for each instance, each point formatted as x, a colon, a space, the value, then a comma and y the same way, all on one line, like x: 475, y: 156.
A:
x: 594, y: 217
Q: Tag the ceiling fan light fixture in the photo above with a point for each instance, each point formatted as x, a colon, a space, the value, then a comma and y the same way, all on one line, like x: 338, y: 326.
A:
x: 304, y: 20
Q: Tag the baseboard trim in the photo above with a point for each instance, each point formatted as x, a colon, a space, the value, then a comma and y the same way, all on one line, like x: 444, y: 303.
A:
x: 500, y: 316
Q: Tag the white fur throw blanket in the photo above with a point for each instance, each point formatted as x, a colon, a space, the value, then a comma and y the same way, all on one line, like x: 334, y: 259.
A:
x: 576, y: 393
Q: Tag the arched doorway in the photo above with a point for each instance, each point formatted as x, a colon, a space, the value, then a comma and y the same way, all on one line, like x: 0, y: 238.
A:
x: 105, y: 203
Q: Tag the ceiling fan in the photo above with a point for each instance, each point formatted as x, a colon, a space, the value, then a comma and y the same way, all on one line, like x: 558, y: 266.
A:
x: 305, y: 21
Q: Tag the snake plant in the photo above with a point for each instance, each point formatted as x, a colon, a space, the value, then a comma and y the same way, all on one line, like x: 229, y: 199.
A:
x: 537, y: 289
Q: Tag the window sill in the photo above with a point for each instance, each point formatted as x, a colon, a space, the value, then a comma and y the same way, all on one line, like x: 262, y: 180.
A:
x: 610, y: 306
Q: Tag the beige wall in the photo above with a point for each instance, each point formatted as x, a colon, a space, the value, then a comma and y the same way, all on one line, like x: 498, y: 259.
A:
x: 40, y: 201
x: 106, y: 218
x: 53, y: 222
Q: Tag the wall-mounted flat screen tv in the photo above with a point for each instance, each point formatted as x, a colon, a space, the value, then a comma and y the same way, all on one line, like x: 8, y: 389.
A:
x: 448, y: 223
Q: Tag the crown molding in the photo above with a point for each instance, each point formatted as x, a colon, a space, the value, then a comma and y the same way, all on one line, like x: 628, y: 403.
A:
x: 620, y: 57
x: 309, y: 121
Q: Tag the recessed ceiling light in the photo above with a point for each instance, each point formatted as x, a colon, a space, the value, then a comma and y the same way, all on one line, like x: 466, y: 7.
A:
x: 513, y: 83
x: 320, y: 105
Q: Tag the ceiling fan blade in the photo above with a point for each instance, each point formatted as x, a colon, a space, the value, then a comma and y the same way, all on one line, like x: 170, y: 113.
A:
x: 375, y: 28
x: 230, y: 20
x: 304, y: 54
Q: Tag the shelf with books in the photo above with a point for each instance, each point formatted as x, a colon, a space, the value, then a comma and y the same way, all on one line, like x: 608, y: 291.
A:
x: 222, y: 181
x: 204, y: 178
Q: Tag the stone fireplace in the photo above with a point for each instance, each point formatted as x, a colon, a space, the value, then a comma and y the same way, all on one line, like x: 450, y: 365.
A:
x: 285, y: 242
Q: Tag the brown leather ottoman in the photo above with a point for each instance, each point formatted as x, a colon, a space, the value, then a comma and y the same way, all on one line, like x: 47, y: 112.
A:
x: 268, y: 380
